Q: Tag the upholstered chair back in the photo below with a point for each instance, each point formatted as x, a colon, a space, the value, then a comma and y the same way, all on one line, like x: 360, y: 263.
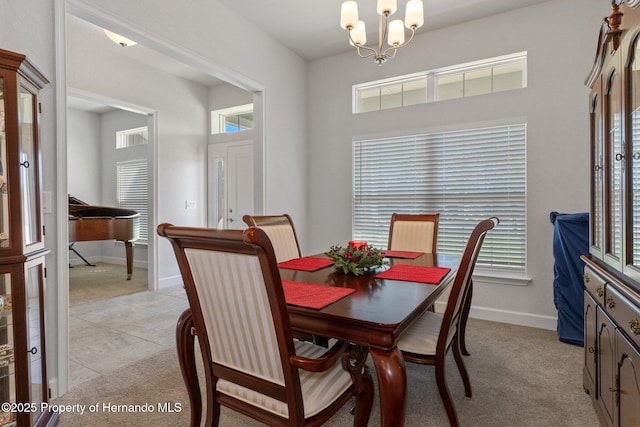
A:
x: 414, y: 232
x: 281, y: 232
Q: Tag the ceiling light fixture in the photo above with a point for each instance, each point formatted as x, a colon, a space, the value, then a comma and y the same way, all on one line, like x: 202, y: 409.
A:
x: 391, y: 33
x: 118, y: 39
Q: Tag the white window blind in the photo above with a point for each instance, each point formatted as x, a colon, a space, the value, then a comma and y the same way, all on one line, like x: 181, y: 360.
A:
x: 466, y: 176
x: 133, y: 192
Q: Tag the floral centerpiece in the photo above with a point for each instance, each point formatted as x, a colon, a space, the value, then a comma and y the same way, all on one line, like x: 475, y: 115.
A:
x: 356, y: 258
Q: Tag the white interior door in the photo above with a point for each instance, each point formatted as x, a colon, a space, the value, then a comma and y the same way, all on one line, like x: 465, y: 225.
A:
x: 230, y: 184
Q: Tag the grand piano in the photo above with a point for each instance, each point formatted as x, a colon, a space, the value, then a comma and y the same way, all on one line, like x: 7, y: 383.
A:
x: 91, y: 222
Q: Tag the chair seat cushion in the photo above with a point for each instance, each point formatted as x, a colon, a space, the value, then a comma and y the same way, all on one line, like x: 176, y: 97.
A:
x: 422, y: 336
x: 319, y: 389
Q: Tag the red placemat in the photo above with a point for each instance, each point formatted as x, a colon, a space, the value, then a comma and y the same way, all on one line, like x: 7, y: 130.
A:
x: 306, y: 263
x: 415, y: 273
x: 311, y: 295
x: 402, y: 254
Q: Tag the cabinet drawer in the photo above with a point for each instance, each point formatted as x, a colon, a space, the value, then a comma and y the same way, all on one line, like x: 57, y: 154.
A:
x: 625, y: 312
x: 595, y: 284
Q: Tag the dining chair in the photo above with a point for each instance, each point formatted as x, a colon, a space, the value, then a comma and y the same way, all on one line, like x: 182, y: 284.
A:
x: 283, y: 237
x: 252, y: 363
x: 281, y: 231
x: 430, y: 337
x: 414, y: 232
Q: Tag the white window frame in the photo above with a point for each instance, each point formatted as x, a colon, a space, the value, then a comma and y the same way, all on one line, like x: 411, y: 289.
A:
x: 122, y: 140
x: 218, y: 117
x: 451, y: 189
x: 431, y: 76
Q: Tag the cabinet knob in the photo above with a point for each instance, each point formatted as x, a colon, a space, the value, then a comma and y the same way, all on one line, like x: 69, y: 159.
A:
x: 592, y: 350
x: 636, y: 156
x: 33, y: 350
x: 634, y: 324
x: 619, y: 156
x: 597, y: 168
x: 26, y: 164
x: 600, y: 291
x: 586, y: 277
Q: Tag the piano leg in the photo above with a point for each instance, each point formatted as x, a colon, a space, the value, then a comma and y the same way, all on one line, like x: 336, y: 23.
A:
x: 129, y: 247
x: 71, y: 248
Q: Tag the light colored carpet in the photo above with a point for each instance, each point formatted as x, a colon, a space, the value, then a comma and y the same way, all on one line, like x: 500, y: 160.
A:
x: 103, y: 281
x: 520, y: 377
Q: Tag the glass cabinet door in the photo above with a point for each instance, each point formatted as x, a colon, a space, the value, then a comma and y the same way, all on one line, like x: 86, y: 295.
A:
x: 633, y: 225
x: 7, y: 359
x: 4, y: 198
x: 597, y: 174
x: 613, y: 174
x: 27, y: 119
x: 34, y: 286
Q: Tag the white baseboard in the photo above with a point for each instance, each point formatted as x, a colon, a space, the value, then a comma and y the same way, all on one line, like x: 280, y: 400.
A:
x: 505, y: 316
x: 171, y: 281
x: 53, y: 386
x: 108, y: 260
x: 123, y: 261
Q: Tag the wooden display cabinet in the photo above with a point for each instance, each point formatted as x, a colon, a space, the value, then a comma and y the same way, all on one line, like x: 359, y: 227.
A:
x: 23, y: 379
x: 612, y: 271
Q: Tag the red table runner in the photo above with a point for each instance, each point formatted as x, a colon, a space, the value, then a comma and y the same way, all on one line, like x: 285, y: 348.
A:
x: 311, y: 295
x: 415, y: 273
x: 306, y: 263
x: 402, y: 254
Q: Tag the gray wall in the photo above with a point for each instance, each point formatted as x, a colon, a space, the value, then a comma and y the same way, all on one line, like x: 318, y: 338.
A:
x: 554, y: 106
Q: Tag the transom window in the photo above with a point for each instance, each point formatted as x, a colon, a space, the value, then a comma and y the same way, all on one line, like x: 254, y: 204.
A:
x: 469, y: 79
x: 465, y: 175
x: 233, y: 119
x: 132, y: 137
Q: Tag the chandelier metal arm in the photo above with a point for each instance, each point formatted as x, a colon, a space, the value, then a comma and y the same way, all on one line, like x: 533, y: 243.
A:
x: 361, y: 46
x: 383, y: 29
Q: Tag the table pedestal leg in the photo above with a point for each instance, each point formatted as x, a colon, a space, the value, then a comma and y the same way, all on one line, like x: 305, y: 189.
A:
x: 392, y: 385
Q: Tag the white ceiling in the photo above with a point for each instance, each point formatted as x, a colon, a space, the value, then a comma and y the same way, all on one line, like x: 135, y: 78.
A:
x: 310, y: 28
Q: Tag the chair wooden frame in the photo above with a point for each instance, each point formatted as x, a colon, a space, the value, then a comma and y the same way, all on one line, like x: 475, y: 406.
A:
x: 396, y: 217
x: 255, y: 243
x: 266, y: 222
x: 451, y: 329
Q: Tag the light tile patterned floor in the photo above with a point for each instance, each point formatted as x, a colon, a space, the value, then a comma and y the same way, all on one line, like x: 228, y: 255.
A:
x: 110, y: 333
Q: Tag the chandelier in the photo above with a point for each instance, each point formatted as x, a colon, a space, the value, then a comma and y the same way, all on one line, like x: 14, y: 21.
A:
x: 391, y: 33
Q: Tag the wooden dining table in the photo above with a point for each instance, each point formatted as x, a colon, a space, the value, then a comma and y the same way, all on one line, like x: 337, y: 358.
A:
x: 374, y: 316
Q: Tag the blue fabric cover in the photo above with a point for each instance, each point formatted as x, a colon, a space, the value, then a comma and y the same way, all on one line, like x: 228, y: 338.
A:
x: 570, y: 241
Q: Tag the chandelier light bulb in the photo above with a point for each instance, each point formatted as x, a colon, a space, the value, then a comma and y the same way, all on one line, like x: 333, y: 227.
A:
x: 414, y: 16
x: 387, y: 7
x: 396, y: 33
x: 349, y: 14
x: 358, y: 34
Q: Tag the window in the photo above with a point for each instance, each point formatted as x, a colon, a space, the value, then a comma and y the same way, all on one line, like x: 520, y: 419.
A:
x: 133, y: 192
x: 234, y: 119
x: 391, y: 93
x: 473, y: 78
x: 132, y: 137
x: 465, y: 175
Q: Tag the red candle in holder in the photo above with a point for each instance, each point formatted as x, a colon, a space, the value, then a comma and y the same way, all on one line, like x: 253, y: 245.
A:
x: 358, y: 244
